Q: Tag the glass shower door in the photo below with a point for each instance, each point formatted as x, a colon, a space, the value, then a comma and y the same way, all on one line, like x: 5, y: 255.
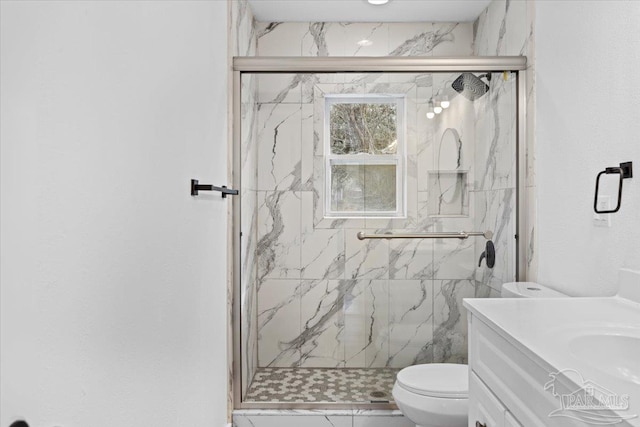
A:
x: 329, y: 318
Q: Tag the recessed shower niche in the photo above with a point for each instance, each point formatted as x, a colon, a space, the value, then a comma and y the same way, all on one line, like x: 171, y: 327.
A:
x: 327, y: 319
x: 450, y: 194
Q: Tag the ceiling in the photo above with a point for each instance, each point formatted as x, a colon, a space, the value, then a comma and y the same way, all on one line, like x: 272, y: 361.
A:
x: 361, y: 11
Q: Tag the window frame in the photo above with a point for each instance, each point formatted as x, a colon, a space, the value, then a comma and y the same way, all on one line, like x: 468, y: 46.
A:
x: 362, y: 159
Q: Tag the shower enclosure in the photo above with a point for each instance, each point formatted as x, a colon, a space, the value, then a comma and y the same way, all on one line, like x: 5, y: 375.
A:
x: 369, y: 188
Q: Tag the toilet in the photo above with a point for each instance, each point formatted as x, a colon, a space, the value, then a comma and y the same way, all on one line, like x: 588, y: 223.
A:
x: 528, y: 290
x: 437, y: 394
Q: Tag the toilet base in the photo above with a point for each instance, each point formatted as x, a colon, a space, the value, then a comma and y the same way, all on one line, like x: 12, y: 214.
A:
x: 427, y: 411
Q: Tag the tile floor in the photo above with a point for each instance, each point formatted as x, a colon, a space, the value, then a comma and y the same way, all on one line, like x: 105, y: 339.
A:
x: 335, y: 385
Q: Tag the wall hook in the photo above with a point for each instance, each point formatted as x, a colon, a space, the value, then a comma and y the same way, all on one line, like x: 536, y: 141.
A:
x: 625, y: 171
x: 195, y: 188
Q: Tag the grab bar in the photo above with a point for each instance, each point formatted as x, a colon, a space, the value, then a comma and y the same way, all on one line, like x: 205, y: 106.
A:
x: 450, y: 235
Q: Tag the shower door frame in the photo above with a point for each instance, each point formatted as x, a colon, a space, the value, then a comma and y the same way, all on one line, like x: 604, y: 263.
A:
x: 327, y: 65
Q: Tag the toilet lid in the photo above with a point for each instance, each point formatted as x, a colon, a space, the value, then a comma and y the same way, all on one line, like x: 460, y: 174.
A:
x: 445, y: 380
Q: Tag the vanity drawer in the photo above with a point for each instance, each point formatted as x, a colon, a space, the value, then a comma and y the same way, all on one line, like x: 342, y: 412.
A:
x: 485, y: 410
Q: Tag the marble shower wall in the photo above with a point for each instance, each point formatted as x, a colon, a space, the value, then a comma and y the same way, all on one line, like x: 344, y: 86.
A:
x: 504, y: 28
x: 244, y: 43
x: 325, y: 298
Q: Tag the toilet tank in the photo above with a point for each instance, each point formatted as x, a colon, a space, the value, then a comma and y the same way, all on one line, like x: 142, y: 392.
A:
x: 529, y: 290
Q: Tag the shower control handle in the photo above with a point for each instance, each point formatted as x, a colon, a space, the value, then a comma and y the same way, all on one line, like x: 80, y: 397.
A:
x: 479, y: 424
x: 490, y: 255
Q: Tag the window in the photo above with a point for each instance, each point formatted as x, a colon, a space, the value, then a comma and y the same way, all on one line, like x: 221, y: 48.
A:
x: 364, y: 156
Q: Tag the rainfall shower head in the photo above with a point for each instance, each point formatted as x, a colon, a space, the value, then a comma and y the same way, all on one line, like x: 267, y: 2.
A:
x: 471, y: 86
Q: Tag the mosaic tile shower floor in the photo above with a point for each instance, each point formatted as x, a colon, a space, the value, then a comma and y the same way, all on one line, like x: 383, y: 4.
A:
x: 335, y: 385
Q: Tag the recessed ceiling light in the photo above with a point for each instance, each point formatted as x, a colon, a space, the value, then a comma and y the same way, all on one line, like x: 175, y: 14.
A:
x: 365, y: 42
x: 378, y: 2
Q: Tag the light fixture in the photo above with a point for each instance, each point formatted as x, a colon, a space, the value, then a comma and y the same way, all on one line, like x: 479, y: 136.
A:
x: 444, y: 102
x: 437, y: 108
x: 430, y: 113
x: 378, y: 2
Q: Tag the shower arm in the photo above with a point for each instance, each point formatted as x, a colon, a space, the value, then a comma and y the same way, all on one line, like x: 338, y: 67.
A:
x: 462, y: 235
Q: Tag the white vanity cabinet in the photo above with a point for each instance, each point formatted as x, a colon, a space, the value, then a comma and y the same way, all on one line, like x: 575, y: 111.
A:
x: 510, y: 384
x: 556, y: 362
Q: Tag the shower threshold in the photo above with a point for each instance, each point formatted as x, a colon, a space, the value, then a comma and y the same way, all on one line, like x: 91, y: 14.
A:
x: 322, y: 385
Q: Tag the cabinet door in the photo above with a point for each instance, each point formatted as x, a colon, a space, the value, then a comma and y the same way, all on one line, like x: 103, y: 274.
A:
x: 485, y: 410
x: 510, y: 421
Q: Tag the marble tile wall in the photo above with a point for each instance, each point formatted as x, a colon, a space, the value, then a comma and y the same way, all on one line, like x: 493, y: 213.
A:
x: 325, y: 298
x: 505, y: 28
x: 244, y: 43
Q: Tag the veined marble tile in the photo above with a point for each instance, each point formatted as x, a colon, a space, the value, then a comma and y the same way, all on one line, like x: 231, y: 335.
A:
x: 323, y: 255
x: 495, y: 210
x: 495, y: 148
x: 450, y: 320
x: 454, y: 258
x: 280, y: 38
x: 279, y: 88
x: 424, y: 87
x: 411, y: 39
x: 516, y: 28
x: 450, y: 193
x: 279, y: 323
x: 323, y: 39
x: 532, y: 248
x: 530, y: 180
x: 425, y: 222
x: 488, y: 37
x: 356, y: 33
x: 366, y: 324
x: 425, y: 147
x: 323, y: 250
x: 411, y: 258
x: 454, y: 39
x: 278, y: 234
x: 321, y: 339
x: 366, y: 259
x: 248, y: 132
x: 279, y: 152
x: 410, y: 322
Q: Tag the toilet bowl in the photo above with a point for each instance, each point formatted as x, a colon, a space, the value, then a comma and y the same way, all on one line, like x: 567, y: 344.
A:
x: 436, y: 394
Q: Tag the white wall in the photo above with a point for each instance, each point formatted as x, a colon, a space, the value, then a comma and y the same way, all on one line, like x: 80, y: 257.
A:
x: 588, y: 98
x: 113, y: 277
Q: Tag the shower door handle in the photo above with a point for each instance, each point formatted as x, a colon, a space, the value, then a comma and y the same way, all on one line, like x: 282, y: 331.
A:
x: 196, y: 188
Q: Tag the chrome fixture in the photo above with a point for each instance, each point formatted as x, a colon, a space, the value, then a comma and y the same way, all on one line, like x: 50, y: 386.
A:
x: 450, y: 235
